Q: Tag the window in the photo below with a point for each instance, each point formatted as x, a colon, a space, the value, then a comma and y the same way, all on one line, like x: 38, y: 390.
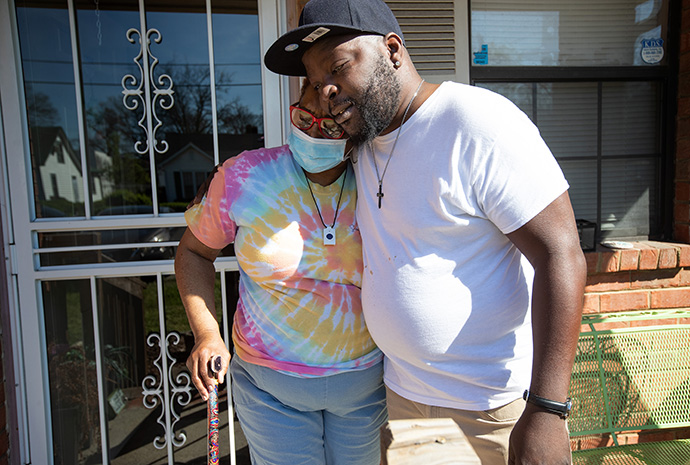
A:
x: 594, y: 77
x: 54, y: 185
x: 75, y: 188
x: 567, y: 33
x: 187, y: 183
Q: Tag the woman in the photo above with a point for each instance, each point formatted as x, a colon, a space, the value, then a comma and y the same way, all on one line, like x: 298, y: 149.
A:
x: 306, y: 378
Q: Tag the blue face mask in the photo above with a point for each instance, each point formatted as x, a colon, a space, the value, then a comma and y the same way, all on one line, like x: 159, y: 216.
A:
x: 315, y: 155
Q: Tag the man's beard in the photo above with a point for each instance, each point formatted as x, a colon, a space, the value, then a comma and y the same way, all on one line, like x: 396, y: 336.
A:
x: 377, y: 104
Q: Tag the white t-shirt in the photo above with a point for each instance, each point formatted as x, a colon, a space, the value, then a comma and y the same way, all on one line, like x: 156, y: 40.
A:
x: 446, y: 295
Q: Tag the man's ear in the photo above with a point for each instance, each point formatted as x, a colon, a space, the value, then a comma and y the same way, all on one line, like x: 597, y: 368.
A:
x: 395, y: 47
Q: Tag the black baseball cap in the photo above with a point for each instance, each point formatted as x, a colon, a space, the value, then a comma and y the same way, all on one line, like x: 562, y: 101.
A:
x: 328, y: 18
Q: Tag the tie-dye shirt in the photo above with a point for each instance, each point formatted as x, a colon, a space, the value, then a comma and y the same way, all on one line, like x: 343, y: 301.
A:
x: 299, y: 308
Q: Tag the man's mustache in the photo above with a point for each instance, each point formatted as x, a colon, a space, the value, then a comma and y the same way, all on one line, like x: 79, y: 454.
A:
x: 342, y: 103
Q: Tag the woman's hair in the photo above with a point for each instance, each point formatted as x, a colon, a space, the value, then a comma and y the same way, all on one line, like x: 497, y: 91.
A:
x: 303, y: 88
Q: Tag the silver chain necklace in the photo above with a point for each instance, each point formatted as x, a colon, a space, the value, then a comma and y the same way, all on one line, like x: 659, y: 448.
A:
x: 371, y: 147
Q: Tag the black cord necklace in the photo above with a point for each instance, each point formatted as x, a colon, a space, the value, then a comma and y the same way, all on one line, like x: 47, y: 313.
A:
x: 328, y: 231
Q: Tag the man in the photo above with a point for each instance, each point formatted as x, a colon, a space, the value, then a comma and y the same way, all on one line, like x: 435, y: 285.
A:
x: 474, y: 277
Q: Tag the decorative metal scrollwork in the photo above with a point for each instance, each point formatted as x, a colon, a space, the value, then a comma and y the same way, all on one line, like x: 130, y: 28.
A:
x: 154, y: 390
x: 134, y: 91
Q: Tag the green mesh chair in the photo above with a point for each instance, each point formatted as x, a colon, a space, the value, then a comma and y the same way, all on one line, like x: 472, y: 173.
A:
x: 631, y: 379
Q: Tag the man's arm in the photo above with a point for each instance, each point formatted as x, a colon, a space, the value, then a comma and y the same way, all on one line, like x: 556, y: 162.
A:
x: 195, y: 275
x: 550, y: 242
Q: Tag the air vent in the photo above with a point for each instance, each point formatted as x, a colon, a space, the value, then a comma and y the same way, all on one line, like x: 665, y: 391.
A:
x: 429, y: 30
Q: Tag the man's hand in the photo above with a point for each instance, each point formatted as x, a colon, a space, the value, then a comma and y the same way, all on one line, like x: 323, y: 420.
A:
x: 206, y: 347
x: 539, y: 438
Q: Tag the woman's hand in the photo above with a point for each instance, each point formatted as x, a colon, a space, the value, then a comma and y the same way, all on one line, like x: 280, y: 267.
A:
x: 207, y: 346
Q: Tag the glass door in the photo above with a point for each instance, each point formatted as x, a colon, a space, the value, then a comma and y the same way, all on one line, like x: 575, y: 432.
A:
x: 129, y: 105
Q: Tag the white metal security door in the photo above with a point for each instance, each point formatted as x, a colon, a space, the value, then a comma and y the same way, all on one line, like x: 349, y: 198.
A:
x: 122, y: 109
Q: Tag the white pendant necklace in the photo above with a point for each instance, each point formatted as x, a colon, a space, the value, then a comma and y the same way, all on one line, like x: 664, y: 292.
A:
x: 328, y: 231
x: 371, y: 147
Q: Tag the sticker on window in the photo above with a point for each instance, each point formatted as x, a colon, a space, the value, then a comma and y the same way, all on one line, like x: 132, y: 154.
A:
x: 652, y: 50
x: 482, y: 58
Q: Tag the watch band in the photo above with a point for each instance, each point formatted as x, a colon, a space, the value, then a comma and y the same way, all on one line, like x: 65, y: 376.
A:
x: 561, y: 409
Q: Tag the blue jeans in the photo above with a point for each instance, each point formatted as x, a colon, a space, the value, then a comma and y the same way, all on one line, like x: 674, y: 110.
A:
x: 332, y: 420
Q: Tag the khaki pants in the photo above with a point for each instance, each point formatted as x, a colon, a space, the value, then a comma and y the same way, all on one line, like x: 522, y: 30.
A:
x: 488, y: 432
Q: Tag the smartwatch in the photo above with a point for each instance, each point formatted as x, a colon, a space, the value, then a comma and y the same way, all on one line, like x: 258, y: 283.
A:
x: 562, y: 409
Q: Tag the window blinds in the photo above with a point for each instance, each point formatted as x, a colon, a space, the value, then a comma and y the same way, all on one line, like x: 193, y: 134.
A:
x: 605, y: 136
x: 566, y: 32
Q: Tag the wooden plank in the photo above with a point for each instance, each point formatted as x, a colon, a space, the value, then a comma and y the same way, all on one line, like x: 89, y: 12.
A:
x: 427, y: 441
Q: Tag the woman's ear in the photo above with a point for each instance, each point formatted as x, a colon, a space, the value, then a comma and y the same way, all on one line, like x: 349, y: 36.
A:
x: 395, y: 48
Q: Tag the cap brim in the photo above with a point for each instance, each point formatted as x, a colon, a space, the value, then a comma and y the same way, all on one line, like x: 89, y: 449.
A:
x: 285, y: 55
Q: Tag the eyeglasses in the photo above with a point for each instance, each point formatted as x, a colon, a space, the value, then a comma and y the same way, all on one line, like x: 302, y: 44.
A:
x: 304, y: 120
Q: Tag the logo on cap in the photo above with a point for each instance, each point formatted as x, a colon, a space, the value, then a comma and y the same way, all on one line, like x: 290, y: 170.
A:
x: 291, y: 47
x: 316, y: 34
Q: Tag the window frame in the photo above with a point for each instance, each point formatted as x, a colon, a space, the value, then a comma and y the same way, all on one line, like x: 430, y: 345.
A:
x: 667, y: 77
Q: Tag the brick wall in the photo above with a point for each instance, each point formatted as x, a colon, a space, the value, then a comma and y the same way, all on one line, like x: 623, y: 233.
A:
x: 681, y: 207
x: 650, y: 276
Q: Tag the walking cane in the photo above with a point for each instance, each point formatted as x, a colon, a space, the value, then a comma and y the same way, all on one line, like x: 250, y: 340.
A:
x: 213, y: 419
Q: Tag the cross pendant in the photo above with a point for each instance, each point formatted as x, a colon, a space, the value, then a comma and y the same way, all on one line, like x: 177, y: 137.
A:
x: 380, y: 195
